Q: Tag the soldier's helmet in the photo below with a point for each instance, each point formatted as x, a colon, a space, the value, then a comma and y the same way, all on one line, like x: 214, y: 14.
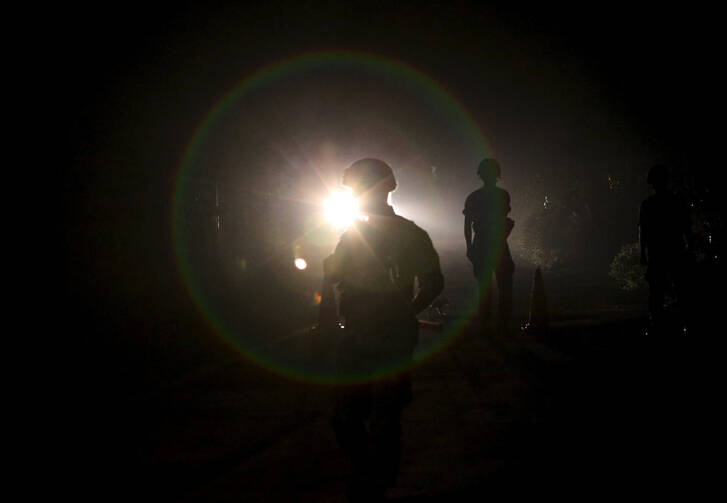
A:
x: 489, y: 169
x: 658, y: 176
x: 369, y: 173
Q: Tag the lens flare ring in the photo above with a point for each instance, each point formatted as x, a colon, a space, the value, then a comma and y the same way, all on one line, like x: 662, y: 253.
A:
x: 422, y: 87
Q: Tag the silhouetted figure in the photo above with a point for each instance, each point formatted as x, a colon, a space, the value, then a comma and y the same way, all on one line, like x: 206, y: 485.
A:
x: 666, y: 238
x: 374, y: 267
x: 485, y: 214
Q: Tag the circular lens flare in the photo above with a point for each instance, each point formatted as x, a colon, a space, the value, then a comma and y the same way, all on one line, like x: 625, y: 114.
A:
x: 425, y: 91
x: 340, y: 209
x: 300, y: 263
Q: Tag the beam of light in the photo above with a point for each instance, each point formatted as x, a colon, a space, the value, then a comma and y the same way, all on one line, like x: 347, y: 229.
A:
x: 300, y: 264
x: 340, y: 209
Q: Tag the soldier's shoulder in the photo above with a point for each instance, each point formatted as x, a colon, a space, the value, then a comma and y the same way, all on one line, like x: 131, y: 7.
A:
x: 344, y: 240
x: 473, y: 200
x: 411, y: 229
x: 475, y: 194
x: 680, y: 199
x: 647, y: 202
x: 406, y: 223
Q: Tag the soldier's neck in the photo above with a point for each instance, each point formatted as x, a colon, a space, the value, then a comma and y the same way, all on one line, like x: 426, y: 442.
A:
x: 377, y: 209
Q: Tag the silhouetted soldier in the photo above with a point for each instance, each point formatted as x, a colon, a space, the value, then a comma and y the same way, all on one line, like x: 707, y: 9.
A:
x: 485, y: 214
x: 665, y: 236
x: 374, y: 266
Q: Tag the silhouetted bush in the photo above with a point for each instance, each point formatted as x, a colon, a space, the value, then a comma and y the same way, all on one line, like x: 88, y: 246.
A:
x: 626, y: 268
x: 534, y: 245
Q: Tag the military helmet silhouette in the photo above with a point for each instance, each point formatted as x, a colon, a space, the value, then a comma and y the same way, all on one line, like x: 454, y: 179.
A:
x: 489, y: 169
x: 658, y: 175
x: 367, y: 173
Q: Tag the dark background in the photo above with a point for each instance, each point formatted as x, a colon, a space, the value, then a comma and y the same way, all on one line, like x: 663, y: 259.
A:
x: 564, y: 95
x: 561, y: 92
x: 569, y: 99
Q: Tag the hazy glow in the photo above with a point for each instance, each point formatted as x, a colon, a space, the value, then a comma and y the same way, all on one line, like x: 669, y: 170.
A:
x: 340, y: 209
x: 301, y: 263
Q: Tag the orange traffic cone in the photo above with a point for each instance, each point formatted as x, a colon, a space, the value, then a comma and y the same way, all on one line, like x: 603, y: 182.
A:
x: 538, y: 319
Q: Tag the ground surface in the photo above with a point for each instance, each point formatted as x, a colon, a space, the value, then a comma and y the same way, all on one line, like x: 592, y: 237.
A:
x: 593, y: 408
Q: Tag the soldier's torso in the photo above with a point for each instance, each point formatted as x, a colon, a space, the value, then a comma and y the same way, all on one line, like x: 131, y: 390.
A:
x: 662, y: 219
x: 378, y: 270
x: 488, y: 208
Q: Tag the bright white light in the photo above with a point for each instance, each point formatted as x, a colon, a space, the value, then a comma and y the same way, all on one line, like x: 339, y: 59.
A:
x: 301, y: 263
x: 340, y: 209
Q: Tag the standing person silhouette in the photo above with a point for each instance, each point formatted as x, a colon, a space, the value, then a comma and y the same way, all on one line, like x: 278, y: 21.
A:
x: 374, y: 267
x: 486, y: 215
x: 666, y: 239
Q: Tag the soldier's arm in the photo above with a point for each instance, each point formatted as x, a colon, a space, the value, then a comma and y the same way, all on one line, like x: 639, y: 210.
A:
x: 509, y: 222
x: 642, y: 237
x: 429, y: 273
x: 468, y: 233
x: 467, y: 212
x: 333, y: 264
x: 332, y: 275
x: 687, y: 226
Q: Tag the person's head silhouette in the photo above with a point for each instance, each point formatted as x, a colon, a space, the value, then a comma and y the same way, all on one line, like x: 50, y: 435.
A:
x: 371, y: 181
x: 658, y: 177
x: 489, y: 171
